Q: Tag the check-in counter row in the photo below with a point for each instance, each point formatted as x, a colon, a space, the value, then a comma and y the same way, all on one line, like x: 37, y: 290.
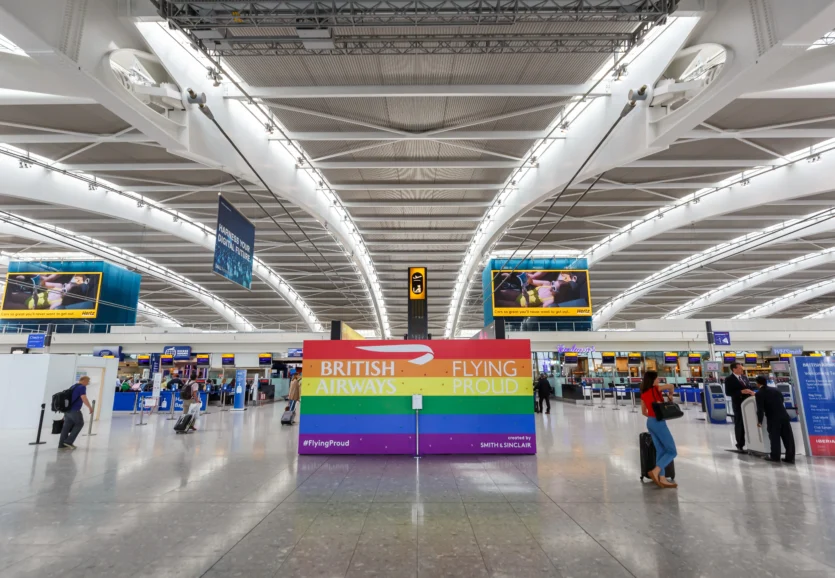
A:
x: 127, y: 400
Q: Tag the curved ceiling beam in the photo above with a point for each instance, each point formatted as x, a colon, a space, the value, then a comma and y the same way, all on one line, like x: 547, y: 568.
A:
x: 790, y: 300
x: 750, y: 281
x: 51, y: 185
x: 157, y: 316
x: 647, y: 131
x: 787, y: 181
x: 19, y: 227
x: 823, y: 314
x: 286, y: 174
x: 82, y: 67
x: 813, y: 224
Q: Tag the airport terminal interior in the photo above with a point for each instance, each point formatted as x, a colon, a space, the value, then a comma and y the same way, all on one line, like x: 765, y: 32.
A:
x: 427, y: 288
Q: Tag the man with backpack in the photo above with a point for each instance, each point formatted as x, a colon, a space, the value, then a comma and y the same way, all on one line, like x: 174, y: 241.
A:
x: 73, y: 420
x: 190, y: 394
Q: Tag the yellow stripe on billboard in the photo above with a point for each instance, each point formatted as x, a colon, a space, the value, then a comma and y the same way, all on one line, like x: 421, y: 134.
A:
x: 373, y: 386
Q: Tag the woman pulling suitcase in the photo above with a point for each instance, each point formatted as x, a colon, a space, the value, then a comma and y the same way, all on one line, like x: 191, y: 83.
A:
x: 665, y: 446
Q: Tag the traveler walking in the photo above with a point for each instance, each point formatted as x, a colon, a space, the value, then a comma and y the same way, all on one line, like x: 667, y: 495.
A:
x: 294, y: 395
x: 770, y: 403
x: 662, y: 439
x: 73, y: 420
x: 736, y: 387
x: 190, y: 394
x: 544, y: 388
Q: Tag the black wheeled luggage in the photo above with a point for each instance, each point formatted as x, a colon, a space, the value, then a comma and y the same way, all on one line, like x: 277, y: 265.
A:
x: 648, y: 457
x: 184, y: 423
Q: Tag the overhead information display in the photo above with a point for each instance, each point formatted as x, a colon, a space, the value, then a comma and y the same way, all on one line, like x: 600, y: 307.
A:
x: 541, y: 293
x: 54, y: 295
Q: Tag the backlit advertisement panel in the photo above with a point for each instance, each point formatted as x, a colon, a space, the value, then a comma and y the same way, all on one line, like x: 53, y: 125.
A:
x: 53, y: 295
x: 541, y: 293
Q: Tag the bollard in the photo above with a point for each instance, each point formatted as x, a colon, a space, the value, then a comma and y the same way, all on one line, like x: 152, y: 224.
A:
x: 38, y: 441
x: 173, y: 403
x: 634, y: 407
x: 92, y: 417
x: 135, y: 403
x: 142, y: 415
x: 223, y: 400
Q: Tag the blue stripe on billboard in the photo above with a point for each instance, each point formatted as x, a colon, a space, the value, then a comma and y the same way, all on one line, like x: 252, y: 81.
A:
x: 234, y: 245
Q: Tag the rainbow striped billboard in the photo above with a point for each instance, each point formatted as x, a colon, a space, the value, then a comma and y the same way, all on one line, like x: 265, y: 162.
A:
x: 357, y: 397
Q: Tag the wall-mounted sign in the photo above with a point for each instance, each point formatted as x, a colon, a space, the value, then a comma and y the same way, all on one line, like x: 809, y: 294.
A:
x: 107, y: 351
x: 694, y: 358
x: 574, y: 349
x: 608, y: 358
x: 791, y: 349
x: 417, y: 283
x: 143, y: 360
x: 36, y: 340
x: 179, y: 352
x: 670, y: 358
x: 227, y: 359
x: 166, y: 360
x: 265, y: 359
x: 203, y: 359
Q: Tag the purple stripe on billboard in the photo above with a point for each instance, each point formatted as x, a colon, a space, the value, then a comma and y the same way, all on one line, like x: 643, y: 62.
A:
x: 357, y: 444
x: 477, y: 444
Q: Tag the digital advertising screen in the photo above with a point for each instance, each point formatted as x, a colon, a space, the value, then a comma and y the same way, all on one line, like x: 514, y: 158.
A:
x: 607, y: 358
x: 203, y: 359
x: 234, y: 245
x: 166, y: 360
x: 694, y: 359
x: 545, y: 293
x: 53, y: 295
x: 227, y: 359
x: 143, y: 360
x: 670, y: 357
x: 265, y: 359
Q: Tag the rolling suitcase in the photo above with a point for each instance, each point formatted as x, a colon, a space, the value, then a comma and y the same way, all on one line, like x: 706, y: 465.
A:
x: 288, y: 416
x: 648, y: 457
x: 184, y: 423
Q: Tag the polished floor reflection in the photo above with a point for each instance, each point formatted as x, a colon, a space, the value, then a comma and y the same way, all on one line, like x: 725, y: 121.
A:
x: 236, y: 500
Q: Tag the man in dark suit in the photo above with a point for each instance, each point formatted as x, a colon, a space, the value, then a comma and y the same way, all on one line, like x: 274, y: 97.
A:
x: 736, y: 387
x: 770, y: 404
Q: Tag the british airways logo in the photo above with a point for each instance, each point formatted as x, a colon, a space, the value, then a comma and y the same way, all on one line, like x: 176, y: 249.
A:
x: 426, y: 351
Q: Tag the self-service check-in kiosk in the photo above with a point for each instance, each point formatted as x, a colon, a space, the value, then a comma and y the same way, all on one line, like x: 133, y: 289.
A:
x: 716, y: 408
x: 782, y: 379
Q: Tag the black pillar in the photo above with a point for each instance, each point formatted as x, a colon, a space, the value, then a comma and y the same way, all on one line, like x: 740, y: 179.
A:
x: 418, y: 311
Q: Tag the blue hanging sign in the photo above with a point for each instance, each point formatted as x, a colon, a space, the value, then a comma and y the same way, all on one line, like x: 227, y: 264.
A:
x: 234, y: 245
x: 36, y: 340
x: 722, y: 337
x: 179, y: 352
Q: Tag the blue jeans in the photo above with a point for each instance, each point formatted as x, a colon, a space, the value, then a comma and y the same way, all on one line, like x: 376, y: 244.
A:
x: 665, y: 446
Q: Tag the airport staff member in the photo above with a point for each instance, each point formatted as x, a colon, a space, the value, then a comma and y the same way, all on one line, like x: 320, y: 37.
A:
x: 736, y: 387
x: 771, y: 404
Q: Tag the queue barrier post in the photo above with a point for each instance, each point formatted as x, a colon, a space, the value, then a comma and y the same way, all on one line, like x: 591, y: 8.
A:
x: 173, y: 403
x: 92, y: 417
x: 142, y: 414
x: 135, y: 403
x: 38, y: 441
